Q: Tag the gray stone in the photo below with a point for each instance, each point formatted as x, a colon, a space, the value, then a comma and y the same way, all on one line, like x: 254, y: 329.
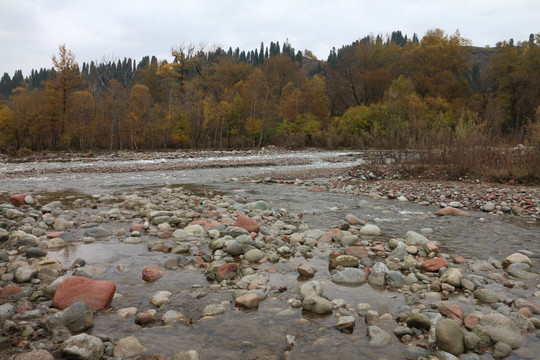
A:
x: 6, y: 312
x: 179, y: 234
x: 4, y: 234
x: 449, y: 337
x: 522, y: 322
x: 378, y: 336
x: 160, y: 297
x: 419, y: 321
x: 194, y: 230
x: 377, y: 276
x: 486, y: 296
x: 253, y: 255
x: 394, y: 279
x: 78, y: 317
x: 402, y: 330
x: 488, y: 207
x: 187, y: 355
x: 213, y: 309
x: 35, y: 252
x: 413, y: 238
x: 350, y: 276
x: 97, y: 231
x: 399, y: 252
x: 234, y: 248
x: 344, y: 261
x: 452, y: 276
x: 25, y: 273
x: 258, y: 205
x: 501, y: 350
x: 83, y: 347
x: 521, y: 271
x: 501, y: 328
x: 128, y: 347
x: 416, y: 352
x: 370, y: 230
x: 317, y: 304
x: 307, y: 270
x: 311, y: 288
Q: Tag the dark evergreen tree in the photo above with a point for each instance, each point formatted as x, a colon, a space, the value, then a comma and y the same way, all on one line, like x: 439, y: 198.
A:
x: 5, y: 85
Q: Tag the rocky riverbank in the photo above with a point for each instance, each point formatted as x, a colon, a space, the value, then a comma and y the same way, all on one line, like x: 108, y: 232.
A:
x: 328, y: 284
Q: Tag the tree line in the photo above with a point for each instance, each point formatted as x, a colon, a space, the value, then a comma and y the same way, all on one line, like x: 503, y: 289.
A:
x: 391, y: 92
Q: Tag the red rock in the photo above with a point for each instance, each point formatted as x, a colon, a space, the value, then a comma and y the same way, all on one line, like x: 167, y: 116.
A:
x: 164, y: 235
x: 434, y: 264
x: 54, y: 234
x: 96, y: 294
x: 246, y: 223
x: 17, y: 199
x: 452, y: 311
x: 214, y: 213
x: 227, y: 271
x: 317, y: 188
x: 152, y: 273
x: 199, y: 260
x: 137, y: 227
x: 9, y: 291
x: 471, y: 321
x: 328, y: 236
x: 460, y: 260
x: 205, y: 223
x: 526, y: 312
x: 450, y: 211
x: 356, y: 251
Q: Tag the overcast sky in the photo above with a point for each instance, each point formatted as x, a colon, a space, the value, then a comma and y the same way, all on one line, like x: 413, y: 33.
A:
x: 31, y: 30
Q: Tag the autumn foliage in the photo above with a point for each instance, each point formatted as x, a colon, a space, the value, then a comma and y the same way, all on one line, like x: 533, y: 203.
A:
x: 428, y: 93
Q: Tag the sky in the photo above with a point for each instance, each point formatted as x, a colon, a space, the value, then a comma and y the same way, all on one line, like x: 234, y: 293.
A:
x: 103, y: 30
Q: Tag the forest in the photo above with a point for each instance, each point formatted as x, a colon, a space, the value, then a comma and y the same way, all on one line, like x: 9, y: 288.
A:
x: 388, y: 92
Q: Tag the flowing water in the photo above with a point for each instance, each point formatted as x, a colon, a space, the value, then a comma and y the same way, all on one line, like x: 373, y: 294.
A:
x: 260, y: 333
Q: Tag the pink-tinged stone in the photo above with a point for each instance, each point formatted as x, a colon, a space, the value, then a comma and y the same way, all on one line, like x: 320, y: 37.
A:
x: 145, y: 318
x: 227, y: 271
x: 431, y: 247
x: 471, y: 321
x: 17, y: 199
x: 317, y: 188
x: 9, y: 291
x: 164, y: 235
x: 450, y: 211
x: 137, y: 227
x: 378, y: 247
x: 434, y: 264
x: 96, y: 294
x: 152, y: 273
x: 328, y: 236
x: 226, y: 221
x: 452, y: 311
x: 214, y: 213
x: 246, y: 223
x: 460, y: 260
x: 357, y: 251
x: 206, y: 224
x: 526, y: 312
x: 54, y: 234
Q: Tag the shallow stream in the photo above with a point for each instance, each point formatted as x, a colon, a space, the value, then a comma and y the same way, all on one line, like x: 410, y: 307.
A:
x: 260, y: 333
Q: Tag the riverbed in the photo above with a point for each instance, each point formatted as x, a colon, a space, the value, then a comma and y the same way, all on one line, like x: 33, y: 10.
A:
x: 260, y: 333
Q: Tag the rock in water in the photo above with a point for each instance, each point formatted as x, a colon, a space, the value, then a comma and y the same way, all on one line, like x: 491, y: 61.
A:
x: 317, y: 305
x: 152, y: 273
x: 378, y: 336
x: 502, y: 328
x: 78, y: 317
x: 96, y: 294
x: 128, y: 347
x: 450, y: 211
